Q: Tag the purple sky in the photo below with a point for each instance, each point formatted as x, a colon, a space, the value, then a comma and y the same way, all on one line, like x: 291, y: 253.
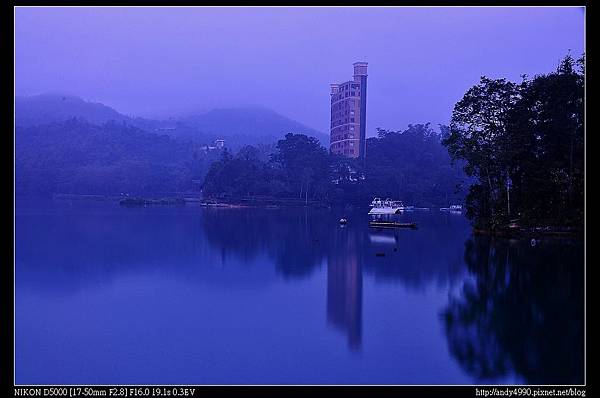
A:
x: 158, y: 62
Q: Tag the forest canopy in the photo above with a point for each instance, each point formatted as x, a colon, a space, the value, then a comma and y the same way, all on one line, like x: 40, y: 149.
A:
x: 409, y: 165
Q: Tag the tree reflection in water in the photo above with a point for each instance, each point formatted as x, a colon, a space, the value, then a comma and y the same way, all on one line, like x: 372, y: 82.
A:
x: 296, y: 240
x: 521, y: 312
x: 299, y: 241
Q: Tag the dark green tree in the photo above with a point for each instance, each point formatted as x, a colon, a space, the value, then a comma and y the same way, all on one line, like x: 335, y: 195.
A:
x: 545, y: 148
x: 478, y: 135
x: 305, y: 164
x: 413, y: 166
x: 524, y: 145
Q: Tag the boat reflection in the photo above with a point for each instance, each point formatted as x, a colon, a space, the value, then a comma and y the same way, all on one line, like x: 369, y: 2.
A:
x: 382, y: 238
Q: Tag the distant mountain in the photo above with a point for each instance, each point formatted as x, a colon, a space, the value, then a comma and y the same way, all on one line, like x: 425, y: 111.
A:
x: 238, y: 126
x: 249, y: 122
x: 49, y: 108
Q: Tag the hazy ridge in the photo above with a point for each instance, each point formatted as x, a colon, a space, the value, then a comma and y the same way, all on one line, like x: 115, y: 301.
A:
x: 244, y: 125
x: 65, y: 144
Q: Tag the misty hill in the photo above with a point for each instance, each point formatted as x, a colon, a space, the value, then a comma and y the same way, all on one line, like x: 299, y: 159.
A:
x: 249, y: 122
x: 238, y: 126
x: 64, y: 144
x: 48, y: 108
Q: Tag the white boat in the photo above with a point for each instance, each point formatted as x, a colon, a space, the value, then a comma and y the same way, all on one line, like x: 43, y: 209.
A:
x: 453, y: 209
x: 386, y: 206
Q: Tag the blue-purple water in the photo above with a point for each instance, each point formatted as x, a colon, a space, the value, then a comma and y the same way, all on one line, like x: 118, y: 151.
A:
x: 188, y: 295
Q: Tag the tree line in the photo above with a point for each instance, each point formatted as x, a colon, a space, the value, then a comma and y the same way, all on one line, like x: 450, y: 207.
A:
x: 411, y: 165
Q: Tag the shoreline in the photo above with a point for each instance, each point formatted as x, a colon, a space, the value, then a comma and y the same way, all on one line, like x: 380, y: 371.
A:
x: 532, y: 232
x: 278, y: 203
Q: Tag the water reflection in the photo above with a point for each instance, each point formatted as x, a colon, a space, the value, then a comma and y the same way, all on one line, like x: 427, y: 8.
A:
x: 344, y: 286
x: 515, y: 311
x: 518, y: 314
x: 300, y: 240
x: 521, y: 313
x: 382, y: 238
x: 72, y: 247
x: 297, y: 241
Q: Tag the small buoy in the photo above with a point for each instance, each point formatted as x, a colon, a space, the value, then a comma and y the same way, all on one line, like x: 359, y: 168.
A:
x: 533, y: 242
x: 343, y: 221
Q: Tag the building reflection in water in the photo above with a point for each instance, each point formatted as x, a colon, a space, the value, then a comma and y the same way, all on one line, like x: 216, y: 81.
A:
x: 344, y: 287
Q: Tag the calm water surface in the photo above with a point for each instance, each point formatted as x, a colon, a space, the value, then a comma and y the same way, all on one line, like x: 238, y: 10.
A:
x: 176, y: 295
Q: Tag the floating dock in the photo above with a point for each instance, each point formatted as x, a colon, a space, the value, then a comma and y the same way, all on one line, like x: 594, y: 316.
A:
x: 146, y: 202
x: 392, y: 224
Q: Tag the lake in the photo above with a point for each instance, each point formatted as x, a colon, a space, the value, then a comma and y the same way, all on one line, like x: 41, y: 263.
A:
x: 190, y: 295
